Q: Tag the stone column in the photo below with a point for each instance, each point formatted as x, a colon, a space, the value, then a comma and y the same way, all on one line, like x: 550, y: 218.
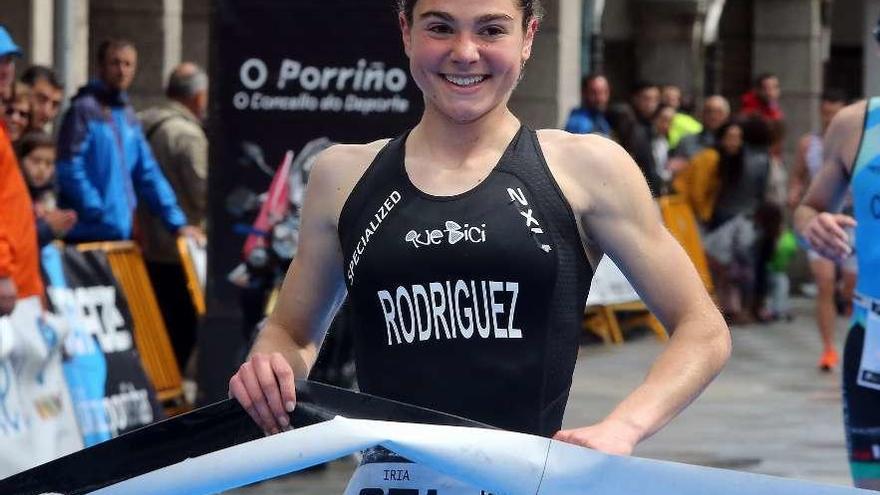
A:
x: 195, y: 36
x: 71, y: 42
x: 41, y: 32
x: 29, y: 22
x: 551, y: 86
x: 872, y: 49
x: 154, y: 26
x: 788, y: 43
x: 669, y: 43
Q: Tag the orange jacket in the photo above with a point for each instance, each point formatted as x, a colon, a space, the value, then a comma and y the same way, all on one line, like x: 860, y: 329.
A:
x: 19, y: 254
x: 700, y: 183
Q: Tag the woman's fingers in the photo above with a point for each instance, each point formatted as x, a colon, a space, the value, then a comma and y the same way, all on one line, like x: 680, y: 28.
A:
x: 264, y: 386
x: 286, y: 381
x: 827, y: 234
x: 238, y: 392
x: 255, y: 392
x: 269, y: 386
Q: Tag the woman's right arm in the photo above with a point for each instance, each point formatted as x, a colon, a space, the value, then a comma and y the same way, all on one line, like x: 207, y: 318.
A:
x: 824, y: 231
x: 312, y: 292
x: 799, y: 176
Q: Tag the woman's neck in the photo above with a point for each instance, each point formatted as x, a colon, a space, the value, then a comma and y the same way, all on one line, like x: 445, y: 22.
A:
x: 437, y: 134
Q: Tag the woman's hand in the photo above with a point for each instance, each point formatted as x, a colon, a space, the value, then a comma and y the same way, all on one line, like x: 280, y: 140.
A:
x: 264, y: 386
x: 826, y: 233
x: 609, y: 436
x: 60, y: 221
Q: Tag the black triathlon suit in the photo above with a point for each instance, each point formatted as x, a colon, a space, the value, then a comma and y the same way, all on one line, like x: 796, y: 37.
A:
x: 469, y: 304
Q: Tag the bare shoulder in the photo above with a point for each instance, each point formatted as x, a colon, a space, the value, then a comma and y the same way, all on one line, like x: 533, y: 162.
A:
x: 589, y: 168
x: 848, y: 120
x: 338, y: 169
x: 844, y: 134
x: 343, y: 160
x: 854, y: 111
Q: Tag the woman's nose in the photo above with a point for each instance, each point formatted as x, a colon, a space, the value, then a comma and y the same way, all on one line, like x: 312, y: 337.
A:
x: 465, y: 50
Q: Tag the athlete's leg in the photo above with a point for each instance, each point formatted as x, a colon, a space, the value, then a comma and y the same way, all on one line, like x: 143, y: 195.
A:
x: 849, y: 276
x: 824, y: 275
x: 861, y: 410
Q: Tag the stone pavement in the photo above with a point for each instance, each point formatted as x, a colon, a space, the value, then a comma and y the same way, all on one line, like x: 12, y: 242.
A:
x: 771, y: 411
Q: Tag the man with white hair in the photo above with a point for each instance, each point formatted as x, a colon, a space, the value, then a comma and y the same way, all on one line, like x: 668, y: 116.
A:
x: 174, y: 131
x: 716, y: 111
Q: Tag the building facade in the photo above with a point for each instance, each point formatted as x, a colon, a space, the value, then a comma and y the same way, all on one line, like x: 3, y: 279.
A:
x: 704, y: 46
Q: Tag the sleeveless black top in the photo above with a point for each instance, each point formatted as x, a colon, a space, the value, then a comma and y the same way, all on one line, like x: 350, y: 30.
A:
x: 469, y: 304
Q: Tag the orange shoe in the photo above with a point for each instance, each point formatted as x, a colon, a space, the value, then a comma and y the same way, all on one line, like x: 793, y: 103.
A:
x: 828, y: 360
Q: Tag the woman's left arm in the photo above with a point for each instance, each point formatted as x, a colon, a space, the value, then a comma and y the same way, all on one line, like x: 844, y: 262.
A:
x: 617, y: 210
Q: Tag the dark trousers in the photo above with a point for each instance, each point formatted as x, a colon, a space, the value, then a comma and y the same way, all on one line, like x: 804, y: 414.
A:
x: 175, y: 303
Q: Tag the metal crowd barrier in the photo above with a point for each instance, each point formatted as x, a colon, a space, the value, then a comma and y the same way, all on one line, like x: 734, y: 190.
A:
x: 150, y: 333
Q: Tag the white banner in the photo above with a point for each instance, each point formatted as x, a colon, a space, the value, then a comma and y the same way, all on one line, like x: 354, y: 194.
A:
x: 610, y: 286
x: 37, y: 422
x: 497, y: 461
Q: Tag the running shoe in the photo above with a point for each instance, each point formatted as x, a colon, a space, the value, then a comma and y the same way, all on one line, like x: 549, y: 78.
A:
x: 828, y: 360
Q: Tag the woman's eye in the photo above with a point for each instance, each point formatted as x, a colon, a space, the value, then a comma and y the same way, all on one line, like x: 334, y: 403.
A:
x: 440, y: 29
x: 493, y: 31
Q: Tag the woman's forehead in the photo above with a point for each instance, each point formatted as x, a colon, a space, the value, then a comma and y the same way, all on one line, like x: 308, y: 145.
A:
x: 467, y: 7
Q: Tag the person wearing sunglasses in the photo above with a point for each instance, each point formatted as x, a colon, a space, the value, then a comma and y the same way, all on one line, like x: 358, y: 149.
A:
x: 17, y: 112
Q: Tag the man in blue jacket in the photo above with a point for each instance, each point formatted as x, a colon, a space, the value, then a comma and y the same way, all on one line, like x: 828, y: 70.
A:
x: 590, y: 117
x: 104, y: 162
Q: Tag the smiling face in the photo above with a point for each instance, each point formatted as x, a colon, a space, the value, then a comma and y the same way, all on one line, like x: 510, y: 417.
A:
x: 18, y: 114
x: 466, y: 56
x: 45, y: 103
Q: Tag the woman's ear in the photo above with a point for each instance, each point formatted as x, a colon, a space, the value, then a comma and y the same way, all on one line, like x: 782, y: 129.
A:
x: 531, y: 30
x: 405, y: 32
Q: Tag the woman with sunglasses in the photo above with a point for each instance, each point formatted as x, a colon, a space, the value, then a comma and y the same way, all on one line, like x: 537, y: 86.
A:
x: 17, y: 114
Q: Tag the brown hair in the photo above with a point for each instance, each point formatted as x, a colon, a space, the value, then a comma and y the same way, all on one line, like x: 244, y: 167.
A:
x: 20, y: 92
x: 531, y: 9
x: 30, y: 141
x: 112, y: 45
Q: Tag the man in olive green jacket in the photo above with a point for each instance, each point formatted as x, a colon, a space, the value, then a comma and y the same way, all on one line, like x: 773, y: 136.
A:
x: 174, y: 131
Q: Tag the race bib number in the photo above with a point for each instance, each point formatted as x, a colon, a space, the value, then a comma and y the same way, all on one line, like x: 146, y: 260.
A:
x: 869, y: 367
x: 393, y: 478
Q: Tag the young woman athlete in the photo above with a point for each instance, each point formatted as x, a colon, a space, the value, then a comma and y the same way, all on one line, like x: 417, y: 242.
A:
x: 464, y: 248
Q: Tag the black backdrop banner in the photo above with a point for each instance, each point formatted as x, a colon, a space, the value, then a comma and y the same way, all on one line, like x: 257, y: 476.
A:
x: 284, y: 73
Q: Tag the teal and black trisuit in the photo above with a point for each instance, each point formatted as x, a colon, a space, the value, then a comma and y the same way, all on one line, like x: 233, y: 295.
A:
x: 861, y: 401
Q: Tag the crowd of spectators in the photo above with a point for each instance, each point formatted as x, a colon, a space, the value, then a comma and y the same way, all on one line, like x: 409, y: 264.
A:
x: 727, y: 164
x: 97, y: 171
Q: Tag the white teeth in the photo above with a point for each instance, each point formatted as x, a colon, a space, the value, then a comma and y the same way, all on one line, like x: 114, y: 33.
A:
x: 464, y: 81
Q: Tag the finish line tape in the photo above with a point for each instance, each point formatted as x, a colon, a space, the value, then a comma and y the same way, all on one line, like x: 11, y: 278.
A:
x: 503, y: 462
